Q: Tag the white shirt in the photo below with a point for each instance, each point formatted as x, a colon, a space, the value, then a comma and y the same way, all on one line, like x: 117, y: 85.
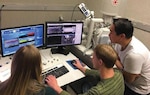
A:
x: 136, y: 60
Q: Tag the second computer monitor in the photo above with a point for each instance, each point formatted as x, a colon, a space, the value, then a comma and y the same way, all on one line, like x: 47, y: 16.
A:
x: 62, y: 34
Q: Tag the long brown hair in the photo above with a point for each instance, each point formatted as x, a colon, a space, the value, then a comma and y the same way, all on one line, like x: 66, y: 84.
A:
x: 25, y: 67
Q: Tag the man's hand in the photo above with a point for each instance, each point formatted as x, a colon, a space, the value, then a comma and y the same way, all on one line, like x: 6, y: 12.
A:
x: 79, y: 66
x: 119, y: 65
x: 52, y: 82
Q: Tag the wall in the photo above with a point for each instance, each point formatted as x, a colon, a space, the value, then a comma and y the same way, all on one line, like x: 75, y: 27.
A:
x: 95, y: 6
x: 139, y: 13
x: 27, y: 12
x: 135, y: 10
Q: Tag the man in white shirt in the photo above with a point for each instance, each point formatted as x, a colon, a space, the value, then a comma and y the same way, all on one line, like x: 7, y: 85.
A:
x: 133, y: 56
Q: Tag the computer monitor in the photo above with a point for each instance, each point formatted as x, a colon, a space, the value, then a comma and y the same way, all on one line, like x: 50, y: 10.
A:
x: 60, y: 35
x: 14, y: 38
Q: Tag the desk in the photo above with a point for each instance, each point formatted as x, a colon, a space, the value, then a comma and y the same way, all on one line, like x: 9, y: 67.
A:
x: 5, y: 64
x: 72, y: 75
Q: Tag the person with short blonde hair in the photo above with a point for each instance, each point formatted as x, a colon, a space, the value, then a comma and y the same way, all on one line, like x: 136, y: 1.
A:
x: 111, y: 80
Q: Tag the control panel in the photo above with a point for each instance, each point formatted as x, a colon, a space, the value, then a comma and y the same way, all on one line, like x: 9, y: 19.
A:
x: 50, y: 63
x: 5, y: 64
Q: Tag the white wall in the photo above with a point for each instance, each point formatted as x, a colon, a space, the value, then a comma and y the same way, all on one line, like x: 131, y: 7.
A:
x: 27, y: 12
x: 136, y: 10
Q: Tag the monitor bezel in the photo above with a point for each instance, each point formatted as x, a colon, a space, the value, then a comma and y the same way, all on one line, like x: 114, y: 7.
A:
x: 16, y: 28
x: 59, y: 22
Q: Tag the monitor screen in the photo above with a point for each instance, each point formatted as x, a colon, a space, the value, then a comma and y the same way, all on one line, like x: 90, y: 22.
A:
x: 61, y: 34
x: 14, y: 38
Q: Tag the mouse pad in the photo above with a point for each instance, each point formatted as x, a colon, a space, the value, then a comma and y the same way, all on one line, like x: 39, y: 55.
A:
x: 74, y: 67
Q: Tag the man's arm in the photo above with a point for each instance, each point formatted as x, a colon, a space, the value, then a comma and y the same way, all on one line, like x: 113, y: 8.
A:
x: 129, y: 78
x: 132, y: 67
x: 52, y: 82
x: 119, y: 65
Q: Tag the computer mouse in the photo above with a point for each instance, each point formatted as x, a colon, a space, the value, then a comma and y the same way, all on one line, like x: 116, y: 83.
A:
x: 73, y: 61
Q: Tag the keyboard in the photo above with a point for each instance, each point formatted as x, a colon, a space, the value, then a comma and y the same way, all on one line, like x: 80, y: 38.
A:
x: 57, y: 71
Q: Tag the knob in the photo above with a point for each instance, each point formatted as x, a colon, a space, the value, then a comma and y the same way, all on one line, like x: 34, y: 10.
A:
x: 44, y: 63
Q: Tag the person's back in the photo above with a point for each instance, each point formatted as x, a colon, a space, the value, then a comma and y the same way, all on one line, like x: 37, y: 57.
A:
x: 111, y: 86
x: 25, y: 78
x: 111, y: 80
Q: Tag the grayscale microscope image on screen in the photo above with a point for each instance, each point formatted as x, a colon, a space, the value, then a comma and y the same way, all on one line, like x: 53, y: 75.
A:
x: 62, y: 34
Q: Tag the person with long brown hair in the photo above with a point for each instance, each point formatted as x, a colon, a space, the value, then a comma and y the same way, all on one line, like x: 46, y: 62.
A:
x: 25, y: 78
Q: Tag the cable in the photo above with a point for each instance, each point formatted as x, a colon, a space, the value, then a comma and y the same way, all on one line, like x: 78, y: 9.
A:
x: 73, y: 11
x: 0, y: 20
x: 0, y: 14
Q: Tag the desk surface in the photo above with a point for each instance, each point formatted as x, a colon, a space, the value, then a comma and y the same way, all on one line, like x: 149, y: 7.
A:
x: 72, y: 75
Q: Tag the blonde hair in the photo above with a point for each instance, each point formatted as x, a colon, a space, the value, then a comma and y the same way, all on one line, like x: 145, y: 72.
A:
x: 107, y: 54
x: 25, y: 69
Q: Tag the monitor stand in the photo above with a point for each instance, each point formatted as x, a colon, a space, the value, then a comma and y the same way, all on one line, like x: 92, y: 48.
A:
x: 60, y: 49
